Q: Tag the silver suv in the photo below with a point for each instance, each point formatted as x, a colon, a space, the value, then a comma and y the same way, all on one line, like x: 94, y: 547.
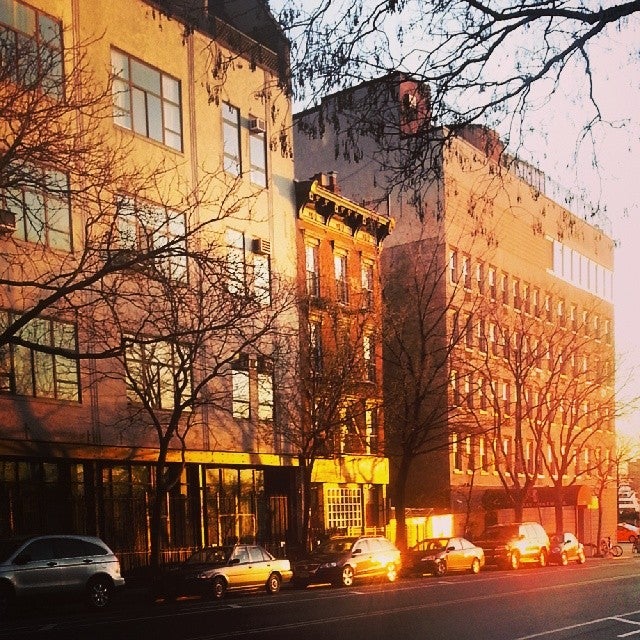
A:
x: 509, y: 545
x: 77, y: 567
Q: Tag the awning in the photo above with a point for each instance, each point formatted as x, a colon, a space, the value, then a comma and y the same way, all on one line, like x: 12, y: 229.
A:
x: 576, y: 495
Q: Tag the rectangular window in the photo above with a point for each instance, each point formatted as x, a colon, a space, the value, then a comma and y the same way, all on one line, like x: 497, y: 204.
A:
x: 492, y: 283
x: 517, y: 303
x: 265, y: 395
x: 371, y: 430
x: 156, y: 373
x: 42, y: 209
x: 504, y: 288
x: 344, y: 508
x: 232, y: 161
x: 147, y: 227
x: 27, y: 370
x: 368, y: 354
x: 458, y: 452
x: 340, y: 267
x: 146, y: 100
x: 466, y: 272
x: 236, y: 262
x: 480, y: 277
x: 258, y: 154
x: 262, y: 278
x: 313, y: 275
x: 31, y: 48
x: 241, y: 407
x: 367, y: 285
x: 453, y: 266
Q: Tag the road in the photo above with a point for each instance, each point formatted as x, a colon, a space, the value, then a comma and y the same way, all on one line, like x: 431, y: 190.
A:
x: 596, y: 601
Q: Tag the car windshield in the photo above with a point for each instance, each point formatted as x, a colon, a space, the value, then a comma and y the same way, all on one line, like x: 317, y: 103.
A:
x: 336, y: 546
x: 211, y: 555
x: 435, y: 544
x: 500, y: 533
x: 8, y: 547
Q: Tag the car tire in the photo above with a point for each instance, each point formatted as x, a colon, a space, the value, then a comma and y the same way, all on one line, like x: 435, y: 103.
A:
x: 218, y: 588
x: 99, y: 593
x: 273, y: 583
x: 475, y: 566
x: 543, y: 558
x: 346, y: 576
x: 564, y: 559
x: 514, y: 560
x: 441, y: 569
x: 392, y: 572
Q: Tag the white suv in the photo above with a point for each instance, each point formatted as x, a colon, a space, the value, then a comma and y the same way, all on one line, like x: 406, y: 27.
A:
x: 77, y: 567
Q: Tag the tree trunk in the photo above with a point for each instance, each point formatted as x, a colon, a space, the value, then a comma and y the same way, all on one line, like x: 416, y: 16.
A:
x: 400, y: 504
x: 306, y: 468
x: 559, y: 509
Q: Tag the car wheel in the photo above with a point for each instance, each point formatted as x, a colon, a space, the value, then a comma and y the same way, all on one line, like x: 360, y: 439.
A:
x: 273, y: 583
x: 514, y: 560
x: 346, y: 577
x: 219, y: 588
x: 564, y: 560
x: 542, y: 558
x: 441, y: 569
x: 392, y: 572
x: 99, y: 592
x: 475, y: 566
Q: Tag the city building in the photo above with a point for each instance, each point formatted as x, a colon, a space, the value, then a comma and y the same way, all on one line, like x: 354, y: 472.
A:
x: 499, y: 296
x: 196, y: 94
x: 339, y: 249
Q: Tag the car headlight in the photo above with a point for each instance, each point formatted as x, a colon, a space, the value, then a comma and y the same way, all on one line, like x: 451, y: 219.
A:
x: 328, y: 565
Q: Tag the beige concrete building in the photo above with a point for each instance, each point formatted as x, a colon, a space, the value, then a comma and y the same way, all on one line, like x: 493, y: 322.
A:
x: 515, y: 287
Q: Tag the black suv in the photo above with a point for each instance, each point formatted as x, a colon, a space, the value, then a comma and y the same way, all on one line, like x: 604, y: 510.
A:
x: 509, y: 545
x: 341, y: 560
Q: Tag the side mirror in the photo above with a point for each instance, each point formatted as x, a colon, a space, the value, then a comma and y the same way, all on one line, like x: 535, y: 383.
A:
x: 450, y: 549
x: 356, y: 551
x: 234, y: 561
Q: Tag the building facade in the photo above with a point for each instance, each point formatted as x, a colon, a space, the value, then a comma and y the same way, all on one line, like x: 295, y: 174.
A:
x: 196, y: 105
x: 341, y: 418
x: 514, y: 290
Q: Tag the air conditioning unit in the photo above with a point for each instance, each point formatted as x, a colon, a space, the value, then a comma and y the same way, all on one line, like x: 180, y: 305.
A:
x: 257, y: 125
x: 7, y: 221
x: 260, y: 245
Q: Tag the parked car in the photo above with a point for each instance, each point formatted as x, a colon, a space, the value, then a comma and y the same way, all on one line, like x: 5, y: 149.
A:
x: 341, y: 560
x: 627, y: 532
x: 440, y: 555
x: 53, y: 566
x: 212, y: 571
x: 509, y: 545
x: 565, y: 547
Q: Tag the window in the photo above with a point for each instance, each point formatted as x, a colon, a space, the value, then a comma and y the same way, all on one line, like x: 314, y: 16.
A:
x: 31, y: 47
x: 258, y: 156
x: 236, y: 262
x: 483, y: 459
x: 371, y: 429
x: 504, y: 288
x: 313, y: 276
x: 458, y: 452
x: 506, y: 397
x: 466, y: 272
x: 265, y: 390
x: 241, y: 407
x: 146, y: 100
x: 147, y: 228
x: 454, y: 381
x: 535, y: 302
x: 492, y: 282
x: 480, y: 276
x: 453, y: 266
x: 368, y: 354
x: 42, y: 210
x: 156, y: 373
x: 232, y: 161
x: 315, y: 347
x: 344, y: 508
x: 517, y: 302
x: 468, y: 331
x: 28, y: 371
x: 262, y: 278
x: 340, y: 267
x: 367, y: 285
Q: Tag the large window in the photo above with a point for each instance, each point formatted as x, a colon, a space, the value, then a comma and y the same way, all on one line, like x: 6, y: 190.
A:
x: 29, y: 371
x: 31, y: 47
x: 344, y: 508
x: 340, y: 267
x: 146, y: 227
x: 265, y: 390
x: 258, y: 152
x: 155, y: 373
x: 312, y: 268
x: 240, y: 388
x: 231, y: 139
x: 41, y: 209
x: 146, y: 100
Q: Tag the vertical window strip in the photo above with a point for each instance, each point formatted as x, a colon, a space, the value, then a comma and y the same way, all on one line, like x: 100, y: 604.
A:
x: 232, y: 160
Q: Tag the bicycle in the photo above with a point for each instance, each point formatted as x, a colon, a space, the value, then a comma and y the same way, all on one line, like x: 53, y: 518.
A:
x: 607, y: 549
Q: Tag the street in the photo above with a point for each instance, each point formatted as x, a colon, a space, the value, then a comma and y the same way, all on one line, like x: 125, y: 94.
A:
x: 595, y: 601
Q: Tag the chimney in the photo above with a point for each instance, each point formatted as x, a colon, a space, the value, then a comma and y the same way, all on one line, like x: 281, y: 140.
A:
x: 333, y: 181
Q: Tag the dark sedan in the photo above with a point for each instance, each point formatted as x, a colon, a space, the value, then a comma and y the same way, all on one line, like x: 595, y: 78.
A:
x: 440, y: 555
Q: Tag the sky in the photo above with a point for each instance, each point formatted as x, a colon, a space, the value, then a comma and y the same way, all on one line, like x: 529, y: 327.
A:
x: 604, y: 166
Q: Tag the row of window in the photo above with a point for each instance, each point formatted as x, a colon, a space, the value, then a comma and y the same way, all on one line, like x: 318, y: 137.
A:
x: 339, y: 276
x: 475, y: 392
x: 475, y: 453
x: 509, y: 290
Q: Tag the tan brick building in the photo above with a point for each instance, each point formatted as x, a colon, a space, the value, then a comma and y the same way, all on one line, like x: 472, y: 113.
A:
x: 516, y: 291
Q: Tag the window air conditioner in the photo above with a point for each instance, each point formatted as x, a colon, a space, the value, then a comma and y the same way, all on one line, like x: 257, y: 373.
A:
x: 257, y: 125
x: 260, y: 245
